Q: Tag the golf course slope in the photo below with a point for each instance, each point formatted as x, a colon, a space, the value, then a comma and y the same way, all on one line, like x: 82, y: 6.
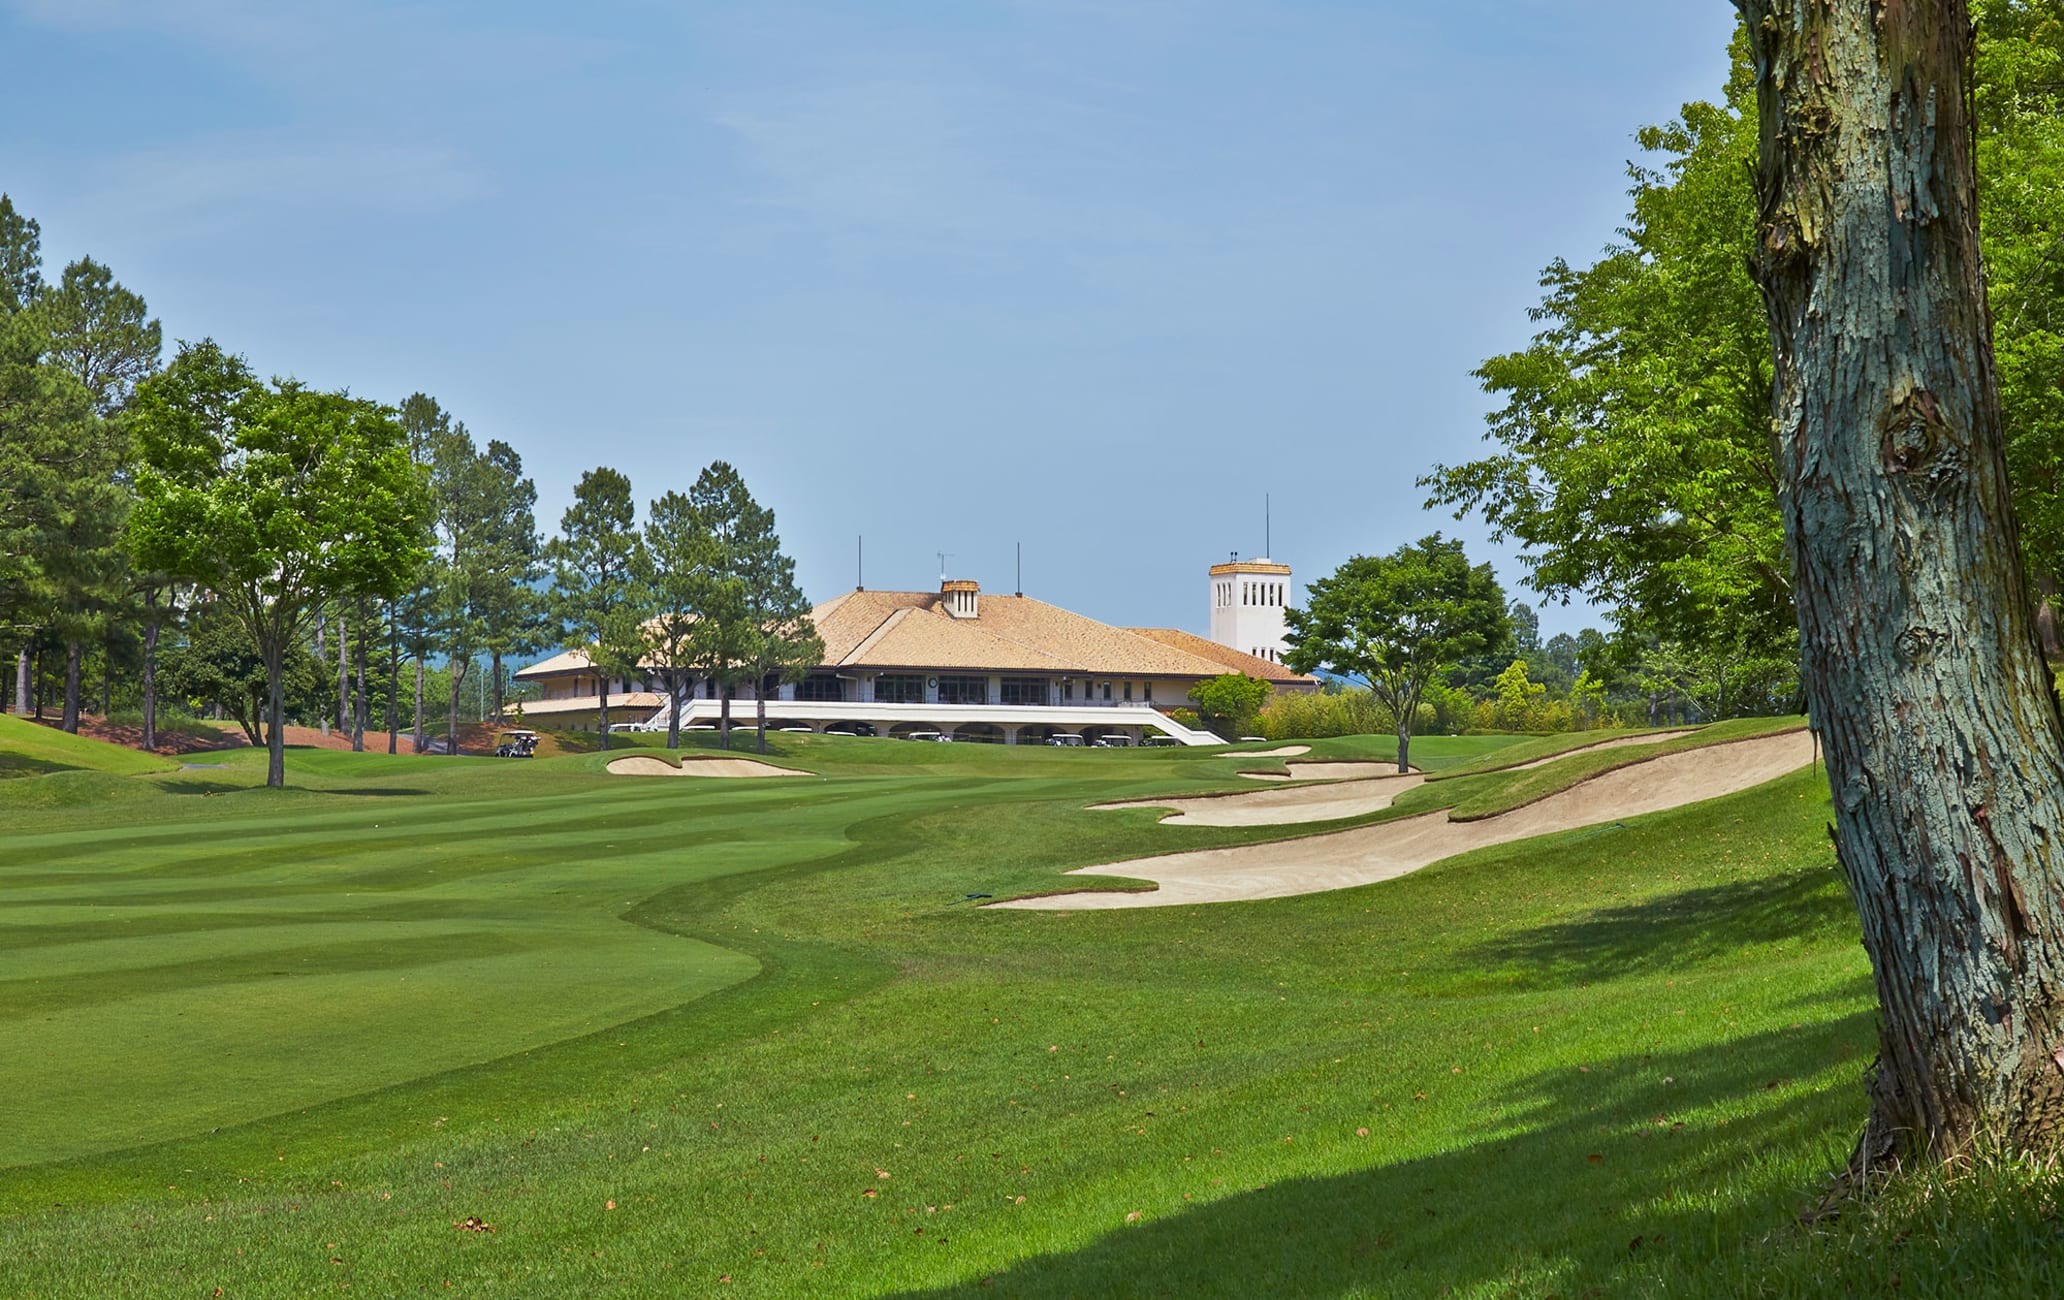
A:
x: 1390, y: 849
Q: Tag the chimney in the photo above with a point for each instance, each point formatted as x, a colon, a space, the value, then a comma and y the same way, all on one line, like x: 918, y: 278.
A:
x: 960, y: 594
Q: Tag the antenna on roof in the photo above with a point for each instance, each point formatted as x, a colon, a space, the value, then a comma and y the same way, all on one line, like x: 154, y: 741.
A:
x: 860, y: 562
x: 1021, y: 568
x: 943, y: 557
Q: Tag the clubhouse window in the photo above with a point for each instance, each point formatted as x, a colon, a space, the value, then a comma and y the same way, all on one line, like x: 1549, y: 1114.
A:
x: 898, y: 688
x: 963, y: 690
x: 819, y: 686
x: 1026, y: 690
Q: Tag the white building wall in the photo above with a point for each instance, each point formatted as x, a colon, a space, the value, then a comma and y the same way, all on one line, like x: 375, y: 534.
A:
x: 1247, y: 609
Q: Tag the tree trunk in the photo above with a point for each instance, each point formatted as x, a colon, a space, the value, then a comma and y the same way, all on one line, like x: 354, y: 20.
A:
x: 1923, y: 676
x: 494, y: 665
x: 724, y: 724
x: 602, y: 685
x: 458, y: 679
x: 151, y: 627
x: 275, y: 713
x: 21, y: 682
x: 343, y: 672
x: 74, y: 656
x: 675, y: 692
x: 322, y: 718
x: 362, y: 707
x: 417, y: 738
x: 393, y: 682
x: 2046, y: 617
x: 760, y: 711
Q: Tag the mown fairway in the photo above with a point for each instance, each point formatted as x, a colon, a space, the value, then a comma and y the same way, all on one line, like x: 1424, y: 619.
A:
x: 754, y: 1038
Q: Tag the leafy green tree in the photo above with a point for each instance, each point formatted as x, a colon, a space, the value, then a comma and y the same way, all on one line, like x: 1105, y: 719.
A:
x: 1229, y: 703
x: 507, y: 560
x: 1393, y: 621
x: 1633, y: 460
x: 683, y: 569
x: 1518, y: 697
x: 595, y: 560
x: 781, y: 642
x: 217, y: 663
x: 21, y: 259
x: 726, y: 639
x: 100, y: 333
x: 2019, y: 142
x: 270, y: 496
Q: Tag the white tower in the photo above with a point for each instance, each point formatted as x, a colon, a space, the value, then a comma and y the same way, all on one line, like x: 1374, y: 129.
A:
x: 1247, y: 602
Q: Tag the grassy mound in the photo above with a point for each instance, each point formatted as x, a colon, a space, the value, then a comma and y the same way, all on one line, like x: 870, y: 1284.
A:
x: 30, y: 749
x: 661, y: 1034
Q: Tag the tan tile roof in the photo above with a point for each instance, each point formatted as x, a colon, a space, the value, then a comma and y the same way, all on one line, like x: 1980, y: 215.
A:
x: 912, y: 629
x: 566, y: 662
x: 1231, y: 660
x: 586, y: 704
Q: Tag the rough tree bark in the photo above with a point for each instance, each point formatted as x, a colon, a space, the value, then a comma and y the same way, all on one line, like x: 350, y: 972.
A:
x: 1923, y: 676
x: 416, y: 739
x: 21, y: 682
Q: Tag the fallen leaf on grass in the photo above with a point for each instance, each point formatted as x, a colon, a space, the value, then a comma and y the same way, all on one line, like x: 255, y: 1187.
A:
x: 473, y: 1223
x: 1132, y: 1217
x: 609, y: 1205
x: 870, y: 1192
x: 1361, y: 1132
x: 1593, y: 1158
x: 881, y: 1173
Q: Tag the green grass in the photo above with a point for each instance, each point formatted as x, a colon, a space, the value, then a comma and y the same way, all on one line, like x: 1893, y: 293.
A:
x: 30, y: 749
x: 280, y: 1041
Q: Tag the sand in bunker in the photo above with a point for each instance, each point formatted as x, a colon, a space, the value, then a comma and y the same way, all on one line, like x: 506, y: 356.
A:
x: 1287, y: 751
x: 1351, y: 770
x: 1304, y: 803
x: 1653, y: 738
x: 643, y: 765
x: 1391, y: 849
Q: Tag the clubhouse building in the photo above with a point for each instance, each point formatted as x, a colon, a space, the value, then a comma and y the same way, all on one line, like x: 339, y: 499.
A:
x: 971, y: 667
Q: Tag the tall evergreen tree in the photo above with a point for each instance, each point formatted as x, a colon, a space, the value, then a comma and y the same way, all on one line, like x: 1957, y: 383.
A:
x: 595, y: 561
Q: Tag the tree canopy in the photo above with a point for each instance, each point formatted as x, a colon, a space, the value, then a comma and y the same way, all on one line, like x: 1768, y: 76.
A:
x: 1393, y: 621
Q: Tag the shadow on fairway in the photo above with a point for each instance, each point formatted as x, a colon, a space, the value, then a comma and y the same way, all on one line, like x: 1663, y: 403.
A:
x: 1713, y: 922
x: 1598, y: 1176
x: 379, y: 792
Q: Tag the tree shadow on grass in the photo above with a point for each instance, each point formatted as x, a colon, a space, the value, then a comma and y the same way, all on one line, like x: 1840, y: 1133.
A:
x: 1677, y: 930
x: 1589, y: 1174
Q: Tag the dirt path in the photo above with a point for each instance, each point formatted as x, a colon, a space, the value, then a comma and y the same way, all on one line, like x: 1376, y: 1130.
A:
x: 1303, y: 803
x: 646, y: 765
x: 1391, y: 849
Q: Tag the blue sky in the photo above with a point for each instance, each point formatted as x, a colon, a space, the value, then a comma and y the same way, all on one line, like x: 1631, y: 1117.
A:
x: 1089, y: 275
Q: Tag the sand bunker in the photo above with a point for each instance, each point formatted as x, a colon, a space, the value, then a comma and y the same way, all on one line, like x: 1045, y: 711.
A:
x: 1287, y: 751
x: 1390, y: 849
x: 1653, y: 738
x: 645, y: 765
x: 1304, y: 803
x: 1354, y: 770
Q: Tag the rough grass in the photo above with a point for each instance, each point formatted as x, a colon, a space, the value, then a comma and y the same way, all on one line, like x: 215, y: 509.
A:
x: 1610, y: 1062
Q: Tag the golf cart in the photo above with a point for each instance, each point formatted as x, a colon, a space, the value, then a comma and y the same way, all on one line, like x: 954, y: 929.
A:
x: 516, y: 744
